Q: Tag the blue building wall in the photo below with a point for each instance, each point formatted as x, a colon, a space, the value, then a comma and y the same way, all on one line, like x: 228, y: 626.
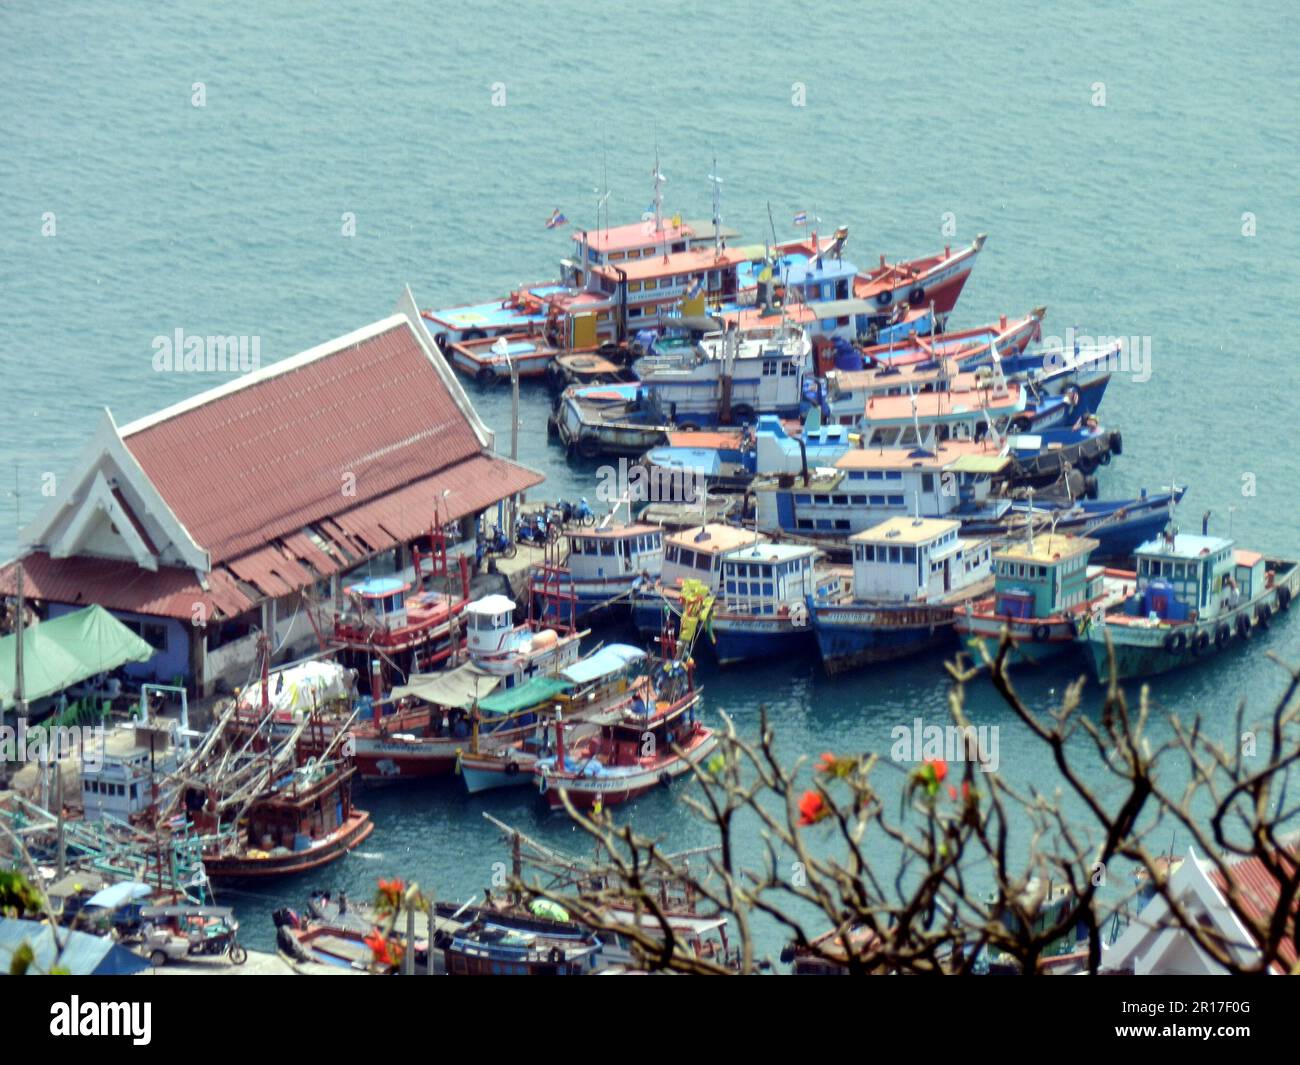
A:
x: 168, y: 663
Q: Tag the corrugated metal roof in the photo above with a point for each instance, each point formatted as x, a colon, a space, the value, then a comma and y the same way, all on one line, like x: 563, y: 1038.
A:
x: 1259, y: 892
x: 168, y: 592
x: 265, y: 460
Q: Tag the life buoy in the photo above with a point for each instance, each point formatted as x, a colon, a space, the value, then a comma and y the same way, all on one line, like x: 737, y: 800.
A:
x: 1175, y: 642
x: 1243, y: 626
x: 1041, y: 633
x: 1222, y: 635
x: 512, y: 769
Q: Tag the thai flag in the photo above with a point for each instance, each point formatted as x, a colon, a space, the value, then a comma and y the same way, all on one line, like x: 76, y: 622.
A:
x: 556, y: 219
x: 801, y: 219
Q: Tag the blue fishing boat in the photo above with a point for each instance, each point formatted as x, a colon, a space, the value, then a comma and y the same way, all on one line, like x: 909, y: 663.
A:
x: 604, y: 565
x: 762, y: 610
x: 693, y: 554
x: 908, y: 576
x: 1194, y: 596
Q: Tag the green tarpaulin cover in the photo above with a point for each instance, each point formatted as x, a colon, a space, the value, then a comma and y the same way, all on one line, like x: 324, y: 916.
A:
x: 530, y: 693
x: 66, y: 650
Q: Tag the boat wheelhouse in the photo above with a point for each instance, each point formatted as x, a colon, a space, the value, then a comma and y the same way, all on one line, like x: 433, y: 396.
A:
x: 870, y: 485
x: 122, y: 779
x: 609, y: 419
x: 1042, y: 587
x: 908, y: 576
x: 1194, y: 595
x: 604, y: 565
x: 693, y: 554
x: 729, y: 376
x: 761, y: 609
x: 514, y: 652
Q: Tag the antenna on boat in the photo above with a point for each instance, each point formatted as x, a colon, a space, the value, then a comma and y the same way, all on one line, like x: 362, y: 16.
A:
x: 717, y: 209
x: 659, y: 181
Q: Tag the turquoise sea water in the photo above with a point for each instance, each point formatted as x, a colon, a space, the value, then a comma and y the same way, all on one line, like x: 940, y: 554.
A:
x: 1123, y: 219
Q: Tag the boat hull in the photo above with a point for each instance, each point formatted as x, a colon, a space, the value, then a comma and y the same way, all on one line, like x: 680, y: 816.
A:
x: 243, y: 867
x: 616, y: 788
x: 740, y: 639
x: 850, y: 636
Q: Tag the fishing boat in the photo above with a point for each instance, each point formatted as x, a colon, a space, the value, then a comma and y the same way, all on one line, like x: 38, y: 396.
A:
x: 605, y: 564
x: 414, y: 623
x: 956, y: 479
x: 638, y: 747
x: 511, y: 945
x: 761, y: 611
x: 608, y: 677
x: 516, y: 652
x: 608, y: 419
x: 909, y: 576
x: 691, y: 554
x: 1043, y: 585
x: 1194, y: 596
x: 303, y: 822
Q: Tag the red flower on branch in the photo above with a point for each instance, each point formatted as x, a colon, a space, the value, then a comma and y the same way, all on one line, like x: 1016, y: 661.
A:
x: 812, y: 808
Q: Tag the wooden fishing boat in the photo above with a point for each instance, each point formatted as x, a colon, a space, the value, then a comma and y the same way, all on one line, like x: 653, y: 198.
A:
x: 638, y: 747
x: 909, y: 575
x: 1042, y: 587
x: 1194, y: 596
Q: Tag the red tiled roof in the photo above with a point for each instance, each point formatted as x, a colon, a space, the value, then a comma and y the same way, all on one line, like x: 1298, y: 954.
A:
x: 264, y: 460
x: 168, y: 592
x: 1258, y: 894
x: 280, y: 567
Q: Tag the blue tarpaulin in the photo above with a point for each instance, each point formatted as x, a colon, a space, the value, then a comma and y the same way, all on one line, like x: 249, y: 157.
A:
x: 82, y: 953
x: 604, y: 662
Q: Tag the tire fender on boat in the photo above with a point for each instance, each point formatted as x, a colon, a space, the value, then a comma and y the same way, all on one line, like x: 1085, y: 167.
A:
x: 1175, y: 642
x: 486, y: 376
x: 1042, y: 633
x: 588, y: 447
x: 1201, y: 642
x: 1222, y: 635
x: 916, y: 297
x: 1243, y: 626
x: 1283, y: 597
x: 512, y: 769
x: 665, y: 778
x: 884, y: 299
x: 1263, y: 615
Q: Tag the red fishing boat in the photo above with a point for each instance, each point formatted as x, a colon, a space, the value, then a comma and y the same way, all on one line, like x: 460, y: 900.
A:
x: 639, y: 746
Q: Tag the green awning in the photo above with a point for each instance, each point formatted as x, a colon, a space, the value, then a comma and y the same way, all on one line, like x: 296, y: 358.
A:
x: 456, y: 689
x: 66, y: 650
x: 522, y: 696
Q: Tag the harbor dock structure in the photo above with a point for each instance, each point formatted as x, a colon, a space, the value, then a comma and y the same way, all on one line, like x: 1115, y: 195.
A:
x: 234, y: 509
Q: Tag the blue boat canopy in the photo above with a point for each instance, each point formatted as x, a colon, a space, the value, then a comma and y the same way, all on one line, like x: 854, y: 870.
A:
x: 607, y: 660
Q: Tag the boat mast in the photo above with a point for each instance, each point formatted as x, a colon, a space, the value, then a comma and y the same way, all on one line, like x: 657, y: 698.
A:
x: 717, y: 210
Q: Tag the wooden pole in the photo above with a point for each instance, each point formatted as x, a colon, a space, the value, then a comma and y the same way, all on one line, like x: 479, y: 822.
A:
x: 408, y: 959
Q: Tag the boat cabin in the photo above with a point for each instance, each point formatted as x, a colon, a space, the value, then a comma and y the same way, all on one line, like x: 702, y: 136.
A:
x: 1045, y: 575
x: 619, y: 551
x: 120, y: 781
x: 696, y: 553
x: 869, y: 485
x: 490, y: 622
x: 916, y: 559
x: 768, y: 578
x: 1178, y: 574
x: 777, y: 452
x: 377, y: 601
x: 933, y: 417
